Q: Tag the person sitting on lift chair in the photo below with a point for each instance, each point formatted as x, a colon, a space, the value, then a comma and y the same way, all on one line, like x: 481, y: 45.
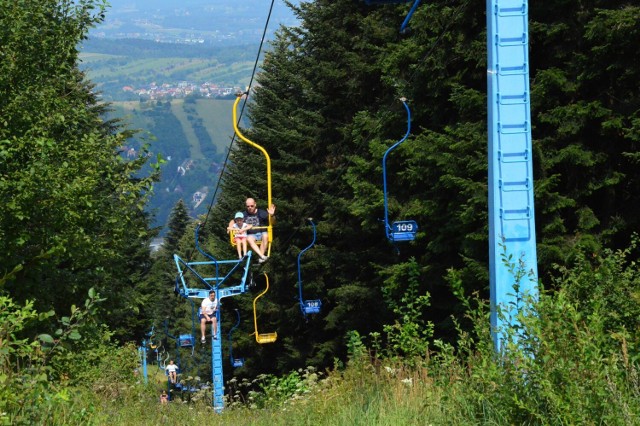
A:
x: 208, y: 310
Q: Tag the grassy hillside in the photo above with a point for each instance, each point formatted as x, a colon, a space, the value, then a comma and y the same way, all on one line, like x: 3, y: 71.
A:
x: 193, y: 134
x: 572, y: 362
x: 216, y: 115
x: 130, y: 71
x: 190, y: 133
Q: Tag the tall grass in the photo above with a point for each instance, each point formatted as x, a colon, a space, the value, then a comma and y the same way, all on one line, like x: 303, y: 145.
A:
x: 574, y: 361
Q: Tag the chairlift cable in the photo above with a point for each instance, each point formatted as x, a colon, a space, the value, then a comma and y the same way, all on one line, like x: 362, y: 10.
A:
x: 233, y: 138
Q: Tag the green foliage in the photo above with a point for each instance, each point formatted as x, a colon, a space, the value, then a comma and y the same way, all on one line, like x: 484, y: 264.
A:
x: 276, y: 391
x: 22, y: 374
x: 571, y: 365
x: 607, y: 288
x: 356, y: 349
x: 28, y: 393
x: 73, y: 212
x: 409, y: 336
x: 568, y: 362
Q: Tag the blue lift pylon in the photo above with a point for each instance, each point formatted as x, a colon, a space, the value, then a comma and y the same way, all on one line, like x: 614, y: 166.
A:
x: 229, y: 279
x: 511, y: 208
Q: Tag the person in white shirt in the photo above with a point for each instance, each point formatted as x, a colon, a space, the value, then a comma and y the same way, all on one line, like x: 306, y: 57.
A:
x: 172, y: 370
x: 208, y: 310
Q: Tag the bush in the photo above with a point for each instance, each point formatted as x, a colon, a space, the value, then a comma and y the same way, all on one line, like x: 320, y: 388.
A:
x: 570, y: 361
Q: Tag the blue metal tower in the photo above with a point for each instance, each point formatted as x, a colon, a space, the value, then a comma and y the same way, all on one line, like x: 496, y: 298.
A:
x: 229, y: 279
x: 512, y: 238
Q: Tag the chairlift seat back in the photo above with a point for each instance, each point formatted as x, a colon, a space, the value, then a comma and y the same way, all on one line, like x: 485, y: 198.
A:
x: 266, y: 337
x: 186, y: 340
x: 268, y: 229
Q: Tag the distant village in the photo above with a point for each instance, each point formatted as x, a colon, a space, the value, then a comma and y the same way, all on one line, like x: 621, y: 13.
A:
x: 181, y: 90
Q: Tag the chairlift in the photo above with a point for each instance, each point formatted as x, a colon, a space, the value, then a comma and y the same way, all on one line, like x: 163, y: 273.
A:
x: 307, y: 306
x: 404, y: 230
x: 264, y: 337
x: 269, y: 228
x: 186, y: 340
x: 235, y: 362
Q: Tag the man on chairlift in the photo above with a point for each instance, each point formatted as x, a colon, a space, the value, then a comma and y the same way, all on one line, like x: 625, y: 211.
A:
x: 208, y: 310
x: 258, y: 218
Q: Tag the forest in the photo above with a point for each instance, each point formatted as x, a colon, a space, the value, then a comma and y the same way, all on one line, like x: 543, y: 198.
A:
x: 403, y: 334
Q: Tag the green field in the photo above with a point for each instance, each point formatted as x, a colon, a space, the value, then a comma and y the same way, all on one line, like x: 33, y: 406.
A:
x: 109, y: 67
x: 196, y: 130
x: 114, y: 64
x: 216, y: 115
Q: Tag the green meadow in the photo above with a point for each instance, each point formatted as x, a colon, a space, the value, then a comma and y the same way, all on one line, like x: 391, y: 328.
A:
x: 113, y: 64
x: 215, y: 116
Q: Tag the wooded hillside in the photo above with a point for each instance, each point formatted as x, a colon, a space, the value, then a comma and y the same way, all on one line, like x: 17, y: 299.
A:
x: 327, y: 108
x: 74, y: 237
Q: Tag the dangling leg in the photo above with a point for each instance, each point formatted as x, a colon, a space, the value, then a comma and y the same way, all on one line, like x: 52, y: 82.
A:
x: 239, y: 248
x: 254, y: 246
x: 244, y: 247
x: 264, y: 243
x: 203, y: 329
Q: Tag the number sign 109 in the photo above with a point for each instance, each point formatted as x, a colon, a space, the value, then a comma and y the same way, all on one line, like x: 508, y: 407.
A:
x: 405, y: 226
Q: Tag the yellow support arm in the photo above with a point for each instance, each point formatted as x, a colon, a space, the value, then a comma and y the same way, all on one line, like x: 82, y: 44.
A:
x: 266, y: 155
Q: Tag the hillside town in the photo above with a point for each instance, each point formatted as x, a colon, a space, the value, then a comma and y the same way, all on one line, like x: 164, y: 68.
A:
x: 182, y: 89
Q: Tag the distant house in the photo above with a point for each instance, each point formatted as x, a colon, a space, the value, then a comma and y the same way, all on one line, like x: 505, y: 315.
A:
x: 155, y: 244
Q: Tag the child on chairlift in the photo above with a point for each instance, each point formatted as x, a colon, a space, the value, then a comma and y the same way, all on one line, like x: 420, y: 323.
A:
x: 239, y: 228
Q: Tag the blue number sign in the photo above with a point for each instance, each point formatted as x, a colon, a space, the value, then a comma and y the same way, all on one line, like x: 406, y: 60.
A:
x: 405, y: 226
x: 404, y: 230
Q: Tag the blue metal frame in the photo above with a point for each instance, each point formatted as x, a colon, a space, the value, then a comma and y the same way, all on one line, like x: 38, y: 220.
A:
x: 235, y: 362
x: 394, y: 232
x: 201, y: 293
x: 308, y: 306
x: 405, y: 23
x: 512, y: 237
